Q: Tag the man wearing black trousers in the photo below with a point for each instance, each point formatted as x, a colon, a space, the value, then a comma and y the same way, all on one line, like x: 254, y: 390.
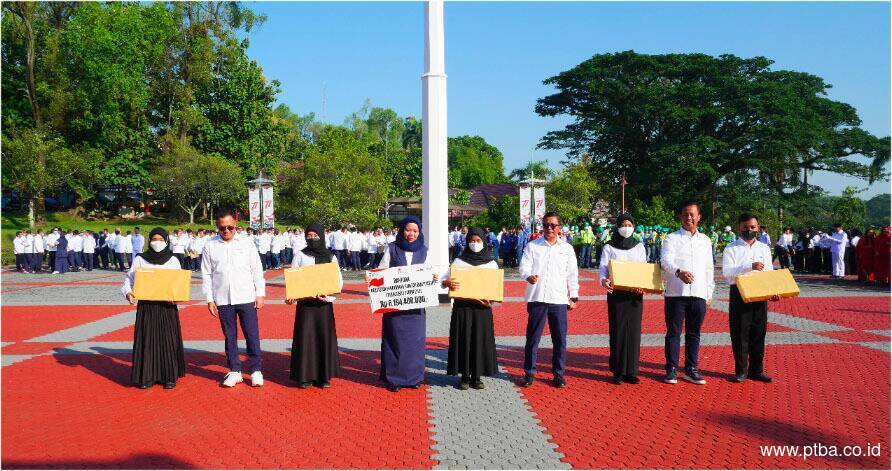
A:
x: 748, y: 322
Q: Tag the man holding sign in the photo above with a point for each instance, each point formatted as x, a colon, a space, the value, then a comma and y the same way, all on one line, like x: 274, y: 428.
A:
x: 549, y: 267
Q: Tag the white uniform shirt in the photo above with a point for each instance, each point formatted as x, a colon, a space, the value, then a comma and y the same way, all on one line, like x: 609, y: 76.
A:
x: 111, y: 242
x: 127, y: 243
x: 739, y: 257
x: 18, y: 245
x: 785, y: 241
x: 28, y: 243
x: 89, y: 244
x: 231, y: 272
x: 280, y: 242
x: 38, y: 243
x: 691, y: 253
x: 178, y: 244
x: 371, y: 244
x: 340, y: 240
x: 557, y: 270
x: 52, y: 240
x: 461, y: 263
x: 609, y: 252
x: 837, y: 242
x: 139, y: 262
x: 302, y: 260
x: 198, y: 244
x: 298, y: 243
x: 385, y: 260
x: 76, y: 244
x: 264, y: 243
x: 354, y: 242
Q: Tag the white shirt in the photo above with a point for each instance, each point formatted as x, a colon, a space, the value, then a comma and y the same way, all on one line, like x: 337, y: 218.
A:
x: 177, y: 244
x: 198, y: 244
x: 385, y: 260
x: 125, y: 244
x: 556, y: 267
x: 837, y: 242
x: 739, y: 257
x: 339, y: 240
x: 852, y: 243
x: 231, y: 272
x: 18, y: 245
x: 690, y: 253
x: 390, y: 238
x: 89, y: 244
x: 609, y: 252
x: 461, y: 263
x: 371, y: 244
x: 139, y: 262
x: 278, y: 243
x: 785, y: 241
x: 298, y: 243
x: 302, y: 260
x: 28, y: 244
x: 354, y: 241
x: 76, y: 244
x: 264, y: 243
x: 111, y: 241
x: 38, y: 243
x: 52, y: 240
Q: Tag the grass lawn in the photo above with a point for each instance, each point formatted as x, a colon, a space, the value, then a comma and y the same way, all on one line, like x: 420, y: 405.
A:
x: 10, y: 223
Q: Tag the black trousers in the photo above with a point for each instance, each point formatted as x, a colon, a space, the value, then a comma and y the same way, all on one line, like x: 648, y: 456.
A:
x: 748, y: 324
x: 689, y: 311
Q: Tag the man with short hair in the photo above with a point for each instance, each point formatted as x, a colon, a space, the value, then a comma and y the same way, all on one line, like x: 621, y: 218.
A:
x: 837, y: 242
x: 234, y: 287
x: 89, y: 245
x: 52, y: 241
x: 686, y: 258
x: 549, y: 267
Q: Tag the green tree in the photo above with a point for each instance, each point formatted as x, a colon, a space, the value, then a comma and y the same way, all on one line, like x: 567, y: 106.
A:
x: 338, y: 182
x: 653, y: 213
x: 538, y: 169
x: 502, y: 212
x: 878, y: 210
x: 850, y: 210
x: 412, y: 136
x: 189, y: 178
x: 573, y: 192
x: 690, y: 120
x: 473, y: 161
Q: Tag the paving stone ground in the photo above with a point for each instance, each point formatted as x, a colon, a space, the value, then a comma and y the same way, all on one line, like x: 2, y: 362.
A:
x: 67, y: 402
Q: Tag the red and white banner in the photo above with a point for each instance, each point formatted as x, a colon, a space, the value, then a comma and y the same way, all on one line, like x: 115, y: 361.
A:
x: 402, y: 288
x: 269, y: 219
x: 254, y: 207
x: 525, y: 206
x: 539, y: 197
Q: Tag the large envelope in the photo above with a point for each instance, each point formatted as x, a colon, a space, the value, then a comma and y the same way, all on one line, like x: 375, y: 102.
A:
x: 478, y: 283
x: 161, y: 284
x: 627, y: 276
x: 312, y: 280
x: 763, y: 285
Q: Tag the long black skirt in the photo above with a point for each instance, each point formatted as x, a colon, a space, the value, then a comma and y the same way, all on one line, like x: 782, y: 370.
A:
x: 624, y: 321
x: 157, y: 344
x: 314, y: 350
x: 472, y: 341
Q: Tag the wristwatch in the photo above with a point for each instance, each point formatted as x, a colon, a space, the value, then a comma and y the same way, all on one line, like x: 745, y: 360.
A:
x: 574, y: 299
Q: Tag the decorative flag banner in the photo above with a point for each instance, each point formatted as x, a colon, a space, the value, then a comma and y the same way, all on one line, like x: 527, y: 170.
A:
x: 525, y: 206
x: 268, y: 208
x: 254, y: 207
x: 539, y: 197
x: 402, y: 288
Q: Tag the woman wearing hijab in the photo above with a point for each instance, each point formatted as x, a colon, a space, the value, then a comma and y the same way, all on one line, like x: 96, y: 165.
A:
x: 157, y: 341
x: 314, y: 350
x: 403, y: 333
x: 472, y: 341
x: 61, y: 254
x: 865, y: 250
x: 623, y: 307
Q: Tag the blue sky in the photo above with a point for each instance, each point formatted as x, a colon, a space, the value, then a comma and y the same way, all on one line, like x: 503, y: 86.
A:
x: 497, y: 55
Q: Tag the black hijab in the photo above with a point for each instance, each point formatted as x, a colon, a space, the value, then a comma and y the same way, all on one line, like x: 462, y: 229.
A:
x: 620, y: 242
x: 480, y: 257
x: 401, y: 241
x: 316, y: 247
x: 157, y: 258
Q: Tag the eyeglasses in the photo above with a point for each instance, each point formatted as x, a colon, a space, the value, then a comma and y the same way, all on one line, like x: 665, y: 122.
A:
x: 551, y: 226
x: 225, y: 228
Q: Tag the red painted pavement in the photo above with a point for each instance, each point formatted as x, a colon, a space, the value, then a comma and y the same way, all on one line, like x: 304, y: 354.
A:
x: 26, y: 322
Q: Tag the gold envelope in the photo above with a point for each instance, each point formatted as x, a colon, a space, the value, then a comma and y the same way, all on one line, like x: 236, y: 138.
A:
x: 478, y: 283
x: 626, y: 276
x: 312, y: 280
x: 161, y: 284
x: 762, y: 285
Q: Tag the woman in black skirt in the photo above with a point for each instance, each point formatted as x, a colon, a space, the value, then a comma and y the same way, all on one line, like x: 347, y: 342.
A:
x: 472, y: 342
x: 157, y: 341
x: 623, y: 307
x: 314, y: 350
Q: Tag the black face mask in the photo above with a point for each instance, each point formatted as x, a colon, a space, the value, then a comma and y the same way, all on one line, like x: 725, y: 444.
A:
x: 749, y: 235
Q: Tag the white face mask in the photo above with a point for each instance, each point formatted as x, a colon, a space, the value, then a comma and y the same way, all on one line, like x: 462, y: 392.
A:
x: 157, y: 245
x: 475, y: 246
x: 626, y: 231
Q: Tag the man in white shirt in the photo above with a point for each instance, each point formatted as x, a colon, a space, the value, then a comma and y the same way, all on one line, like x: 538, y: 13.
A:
x: 264, y: 246
x: 128, y: 248
x: 18, y: 248
x: 89, y: 244
x: 28, y: 248
x: 785, y: 248
x: 748, y: 322
x: 178, y: 244
x: 278, y: 249
x: 298, y: 242
x: 552, y: 275
x: 52, y: 241
x: 339, y: 241
x: 39, y: 250
x: 234, y: 288
x: 197, y: 246
x: 76, y: 251
x: 837, y: 242
x: 686, y: 257
x: 115, y: 243
x: 354, y: 247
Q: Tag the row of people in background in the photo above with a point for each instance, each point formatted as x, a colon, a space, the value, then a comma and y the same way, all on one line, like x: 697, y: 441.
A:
x: 61, y: 250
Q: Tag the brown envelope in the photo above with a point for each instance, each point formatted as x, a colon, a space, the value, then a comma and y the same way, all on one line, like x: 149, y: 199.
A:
x: 478, y: 283
x: 626, y: 276
x: 312, y: 280
x: 763, y: 285
x: 161, y: 284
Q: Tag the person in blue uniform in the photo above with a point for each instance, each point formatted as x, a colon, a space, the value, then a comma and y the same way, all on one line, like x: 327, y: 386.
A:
x: 62, y: 254
x: 403, y: 333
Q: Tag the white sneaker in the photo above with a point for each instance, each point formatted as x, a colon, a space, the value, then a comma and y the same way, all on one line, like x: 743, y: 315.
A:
x: 55, y: 273
x: 232, y: 378
x: 256, y: 379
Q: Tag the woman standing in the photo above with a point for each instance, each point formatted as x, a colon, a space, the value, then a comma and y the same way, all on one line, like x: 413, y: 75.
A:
x: 157, y: 341
x: 623, y: 307
x: 472, y: 342
x: 403, y: 333
x: 865, y: 252
x: 314, y: 350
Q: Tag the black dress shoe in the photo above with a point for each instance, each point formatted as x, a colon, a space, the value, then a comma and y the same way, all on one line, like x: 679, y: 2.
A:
x: 559, y: 381
x: 323, y: 384
x: 393, y: 388
x: 170, y: 385
x: 528, y: 381
x: 738, y: 378
x: 762, y: 377
x: 477, y: 383
x: 144, y: 385
x: 631, y: 379
x: 465, y: 383
x: 305, y: 384
x: 617, y: 379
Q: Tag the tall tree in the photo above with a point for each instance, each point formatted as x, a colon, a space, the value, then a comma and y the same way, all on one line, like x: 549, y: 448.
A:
x: 473, y: 161
x: 573, y: 192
